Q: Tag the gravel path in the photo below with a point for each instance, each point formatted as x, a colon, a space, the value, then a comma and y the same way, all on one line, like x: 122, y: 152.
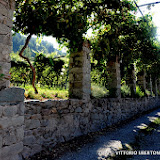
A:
x: 150, y: 144
x: 107, y: 144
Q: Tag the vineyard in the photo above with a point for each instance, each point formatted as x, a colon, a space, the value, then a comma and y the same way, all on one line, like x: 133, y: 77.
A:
x: 118, y: 36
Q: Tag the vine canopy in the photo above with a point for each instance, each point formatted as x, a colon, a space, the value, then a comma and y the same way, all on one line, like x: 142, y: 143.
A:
x: 66, y: 19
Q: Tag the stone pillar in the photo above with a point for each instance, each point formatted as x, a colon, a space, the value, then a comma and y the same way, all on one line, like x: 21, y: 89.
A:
x: 79, y: 74
x: 114, y: 79
x: 141, y: 80
x: 11, y: 123
x: 151, y: 86
x: 158, y: 85
x: 6, y: 16
x: 131, y: 78
x: 155, y: 88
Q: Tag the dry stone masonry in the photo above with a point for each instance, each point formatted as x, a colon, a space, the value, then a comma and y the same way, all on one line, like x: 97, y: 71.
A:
x: 131, y: 78
x: 28, y: 128
x: 114, y: 79
x: 79, y: 74
x: 11, y: 123
x: 51, y: 122
x: 6, y: 16
x: 141, y: 80
x: 11, y: 99
x: 155, y: 87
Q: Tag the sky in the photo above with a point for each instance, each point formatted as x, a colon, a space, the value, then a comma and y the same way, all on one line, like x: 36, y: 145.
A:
x: 154, y: 11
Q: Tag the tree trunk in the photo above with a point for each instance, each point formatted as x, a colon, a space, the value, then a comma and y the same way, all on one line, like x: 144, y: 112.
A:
x: 33, y: 69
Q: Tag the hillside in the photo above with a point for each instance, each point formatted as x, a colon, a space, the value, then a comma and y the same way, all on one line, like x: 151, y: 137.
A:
x: 45, y: 47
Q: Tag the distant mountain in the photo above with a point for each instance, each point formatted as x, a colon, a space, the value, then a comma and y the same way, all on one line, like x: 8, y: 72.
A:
x: 45, y: 47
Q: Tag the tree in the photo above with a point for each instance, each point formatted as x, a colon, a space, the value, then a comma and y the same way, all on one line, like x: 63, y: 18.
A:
x: 60, y: 18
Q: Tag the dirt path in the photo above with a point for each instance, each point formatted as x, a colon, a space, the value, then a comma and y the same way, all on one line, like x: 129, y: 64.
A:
x: 104, y: 145
x: 107, y: 144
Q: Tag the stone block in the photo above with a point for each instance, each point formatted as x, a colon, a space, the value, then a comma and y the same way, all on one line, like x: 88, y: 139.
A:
x: 12, y: 157
x: 36, y: 149
x: 52, y: 123
x: 9, y: 137
x: 11, y: 150
x: 26, y: 152
x: 4, y: 83
x: 1, y: 110
x: 1, y: 141
x: 6, y: 39
x: 21, y: 108
x: 44, y: 122
x: 3, y: 27
x: 5, y: 50
x: 78, y: 110
x: 69, y: 119
x: 5, y: 67
x: 9, y: 111
x: 5, y: 123
x: 6, y: 21
x: 20, y: 134
x: 32, y: 123
x: 3, y: 10
x: 76, y: 70
x: 36, y: 116
x: 12, y: 95
x: 29, y: 140
x: 17, y: 121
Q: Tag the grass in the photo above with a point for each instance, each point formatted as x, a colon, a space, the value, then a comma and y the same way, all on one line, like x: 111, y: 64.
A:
x: 139, y: 92
x: 45, y: 93
x: 125, y: 91
x: 98, y: 91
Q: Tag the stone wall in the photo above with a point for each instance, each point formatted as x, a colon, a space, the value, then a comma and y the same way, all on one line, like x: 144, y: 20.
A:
x: 11, y: 123
x: 50, y: 122
x: 6, y: 15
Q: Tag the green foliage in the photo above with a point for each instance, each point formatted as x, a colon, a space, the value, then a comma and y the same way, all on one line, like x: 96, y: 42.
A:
x: 44, y: 46
x: 45, y: 93
x: 139, y: 92
x: 50, y: 71
x: 132, y: 40
x: 98, y: 91
x: 125, y: 91
x: 64, y: 19
x: 98, y: 77
x: 1, y: 75
x: 147, y: 92
x: 115, y: 27
x: 157, y: 121
x: 117, y: 33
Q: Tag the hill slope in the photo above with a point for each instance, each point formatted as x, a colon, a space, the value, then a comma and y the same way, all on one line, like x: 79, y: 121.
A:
x: 45, y: 47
